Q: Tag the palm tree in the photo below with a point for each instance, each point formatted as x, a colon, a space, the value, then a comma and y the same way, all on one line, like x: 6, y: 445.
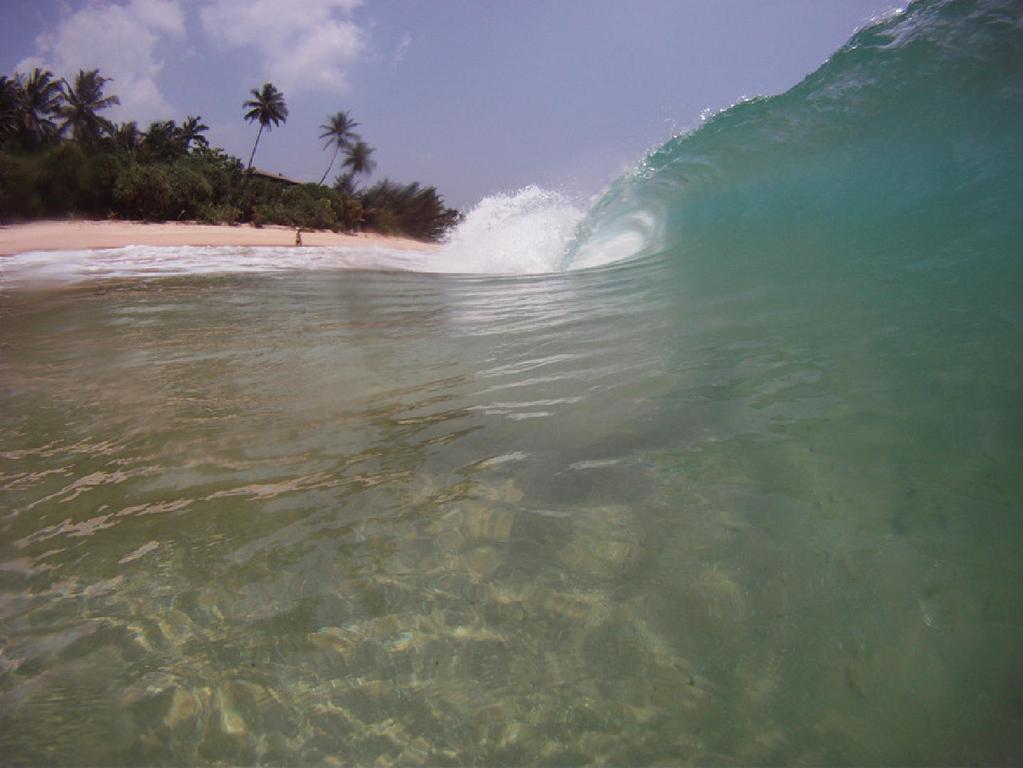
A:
x: 82, y: 102
x: 358, y: 159
x: 40, y: 97
x: 268, y: 107
x: 162, y: 141
x: 338, y: 133
x: 345, y: 184
x: 10, y: 99
x: 126, y: 136
x: 192, y: 131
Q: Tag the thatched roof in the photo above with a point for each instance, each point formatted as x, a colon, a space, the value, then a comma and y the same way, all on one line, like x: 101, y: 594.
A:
x: 274, y: 176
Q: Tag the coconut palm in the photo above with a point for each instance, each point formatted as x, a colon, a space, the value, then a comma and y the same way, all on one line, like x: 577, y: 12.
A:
x: 162, y: 141
x: 9, y: 105
x: 192, y: 130
x: 126, y: 136
x: 83, y: 100
x: 358, y: 160
x: 268, y: 107
x: 40, y: 99
x: 345, y: 184
x: 337, y: 133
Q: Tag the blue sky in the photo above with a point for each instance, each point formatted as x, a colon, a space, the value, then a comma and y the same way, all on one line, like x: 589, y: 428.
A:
x: 472, y: 96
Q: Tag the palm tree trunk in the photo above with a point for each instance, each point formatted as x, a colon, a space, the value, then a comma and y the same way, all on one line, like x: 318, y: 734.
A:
x: 332, y: 159
x: 254, y: 146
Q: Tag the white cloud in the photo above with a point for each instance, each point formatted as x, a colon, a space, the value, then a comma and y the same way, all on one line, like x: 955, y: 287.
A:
x: 401, y: 49
x: 120, y: 41
x: 305, y: 46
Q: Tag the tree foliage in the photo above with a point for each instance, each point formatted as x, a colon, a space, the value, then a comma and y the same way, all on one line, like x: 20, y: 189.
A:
x: 9, y: 108
x: 266, y: 107
x: 59, y: 155
x: 359, y: 159
x: 39, y: 99
x: 337, y: 133
x: 83, y: 101
x: 408, y: 209
x: 191, y: 132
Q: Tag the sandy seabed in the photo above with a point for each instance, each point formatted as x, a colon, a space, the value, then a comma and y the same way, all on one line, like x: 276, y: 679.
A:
x: 80, y: 235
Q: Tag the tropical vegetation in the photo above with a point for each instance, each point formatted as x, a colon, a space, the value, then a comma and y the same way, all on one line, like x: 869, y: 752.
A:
x: 337, y: 133
x: 268, y: 108
x: 60, y: 155
x: 80, y: 107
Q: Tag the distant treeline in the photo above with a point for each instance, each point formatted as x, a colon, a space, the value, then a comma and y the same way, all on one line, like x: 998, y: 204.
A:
x: 60, y: 157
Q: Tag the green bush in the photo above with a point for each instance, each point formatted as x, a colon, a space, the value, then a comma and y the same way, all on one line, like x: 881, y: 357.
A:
x: 409, y: 209
x: 383, y: 220
x: 310, y: 206
x: 143, y: 192
x: 96, y: 183
x: 59, y: 178
x: 19, y: 197
x: 252, y: 192
x: 157, y: 192
x: 190, y: 192
x: 348, y: 211
x: 271, y: 213
x: 212, y: 213
x: 223, y: 172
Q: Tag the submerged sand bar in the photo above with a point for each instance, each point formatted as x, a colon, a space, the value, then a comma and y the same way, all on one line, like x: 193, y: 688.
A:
x: 81, y: 235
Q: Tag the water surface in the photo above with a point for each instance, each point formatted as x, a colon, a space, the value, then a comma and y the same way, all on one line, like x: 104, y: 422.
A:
x: 749, y: 496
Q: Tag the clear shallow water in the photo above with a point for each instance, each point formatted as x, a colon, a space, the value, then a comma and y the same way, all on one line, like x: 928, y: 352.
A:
x: 349, y: 516
x: 753, y: 498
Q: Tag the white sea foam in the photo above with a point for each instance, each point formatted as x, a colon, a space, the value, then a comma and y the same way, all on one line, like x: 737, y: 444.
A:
x: 525, y: 232
x: 42, y: 268
x: 626, y: 236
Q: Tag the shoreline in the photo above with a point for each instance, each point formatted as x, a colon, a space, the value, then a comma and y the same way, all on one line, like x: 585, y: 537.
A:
x: 69, y: 235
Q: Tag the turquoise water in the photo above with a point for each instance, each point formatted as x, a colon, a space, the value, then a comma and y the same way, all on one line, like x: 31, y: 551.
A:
x: 735, y: 480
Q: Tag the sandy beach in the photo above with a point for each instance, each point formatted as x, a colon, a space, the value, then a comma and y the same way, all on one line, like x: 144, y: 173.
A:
x: 79, y: 235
